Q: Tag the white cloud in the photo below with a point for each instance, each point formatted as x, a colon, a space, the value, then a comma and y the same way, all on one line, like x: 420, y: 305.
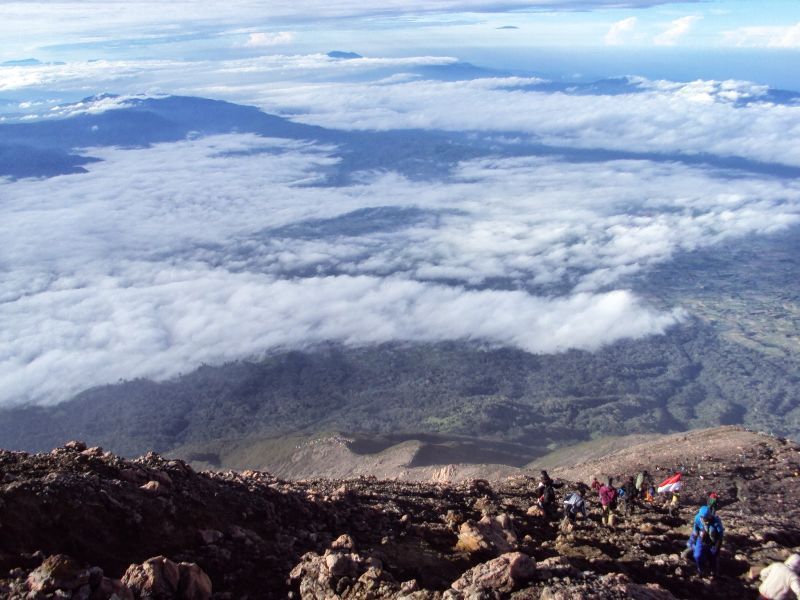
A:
x: 698, y: 117
x: 162, y: 258
x: 157, y: 323
x: 619, y: 32
x: 676, y: 30
x: 665, y: 117
x: 262, y: 39
x: 137, y: 77
x: 765, y: 37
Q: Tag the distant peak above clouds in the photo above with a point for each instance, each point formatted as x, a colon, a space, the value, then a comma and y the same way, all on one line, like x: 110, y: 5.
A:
x: 343, y: 55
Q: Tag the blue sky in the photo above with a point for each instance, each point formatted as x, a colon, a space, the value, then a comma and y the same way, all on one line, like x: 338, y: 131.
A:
x: 758, y: 41
x: 104, y: 29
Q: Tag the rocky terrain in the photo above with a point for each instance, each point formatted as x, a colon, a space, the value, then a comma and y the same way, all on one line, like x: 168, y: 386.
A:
x: 82, y: 523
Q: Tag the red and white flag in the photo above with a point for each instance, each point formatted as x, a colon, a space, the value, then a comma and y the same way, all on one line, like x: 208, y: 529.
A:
x: 670, y: 484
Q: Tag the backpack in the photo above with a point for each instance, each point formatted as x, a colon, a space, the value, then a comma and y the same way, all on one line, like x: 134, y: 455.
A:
x: 574, y: 503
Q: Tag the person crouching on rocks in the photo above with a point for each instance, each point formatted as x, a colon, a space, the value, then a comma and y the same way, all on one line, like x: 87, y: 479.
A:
x: 781, y: 580
x: 574, y: 504
x: 706, y: 541
x: 608, y: 501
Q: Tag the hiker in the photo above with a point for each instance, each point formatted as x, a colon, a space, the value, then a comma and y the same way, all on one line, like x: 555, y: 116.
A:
x: 706, y: 541
x: 781, y: 580
x: 674, y: 504
x: 608, y: 500
x: 628, y: 496
x: 574, y: 504
x: 712, y: 502
x: 643, y: 483
x: 697, y: 525
x: 544, y: 478
x: 672, y: 485
x: 595, y: 486
x: 547, y: 494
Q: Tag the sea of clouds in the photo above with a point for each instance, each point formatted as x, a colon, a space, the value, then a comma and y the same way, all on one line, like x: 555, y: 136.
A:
x: 160, y: 259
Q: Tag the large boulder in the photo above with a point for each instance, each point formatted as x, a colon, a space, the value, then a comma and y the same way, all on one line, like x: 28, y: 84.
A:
x: 494, y: 535
x: 342, y: 574
x: 58, y: 572
x: 159, y: 578
x: 613, y: 586
x: 194, y: 584
x: 503, y: 574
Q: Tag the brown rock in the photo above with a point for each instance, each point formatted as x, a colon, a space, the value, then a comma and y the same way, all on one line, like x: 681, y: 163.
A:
x: 156, y: 578
x: 248, y: 536
x: 489, y: 534
x: 57, y: 572
x: 339, y: 565
x: 344, y: 542
x: 111, y: 589
x: 210, y: 536
x: 132, y: 475
x: 161, y: 477
x: 194, y: 584
x: 154, y: 487
x: 75, y: 445
x: 503, y: 574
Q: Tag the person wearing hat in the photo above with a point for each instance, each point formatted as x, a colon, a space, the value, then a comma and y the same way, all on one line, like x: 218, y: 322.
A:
x: 713, y: 502
x: 781, y: 580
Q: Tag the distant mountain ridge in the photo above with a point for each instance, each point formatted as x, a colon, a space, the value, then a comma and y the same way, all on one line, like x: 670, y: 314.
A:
x: 344, y: 55
x: 47, y: 146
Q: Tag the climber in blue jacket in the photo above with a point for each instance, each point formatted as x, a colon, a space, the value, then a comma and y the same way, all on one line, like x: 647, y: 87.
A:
x: 706, y: 540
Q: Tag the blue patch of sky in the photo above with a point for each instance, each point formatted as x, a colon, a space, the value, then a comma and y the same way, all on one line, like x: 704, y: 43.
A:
x: 567, y: 45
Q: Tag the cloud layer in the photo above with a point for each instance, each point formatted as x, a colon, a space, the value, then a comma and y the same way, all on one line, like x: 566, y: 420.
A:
x: 162, y: 258
x: 216, y: 248
x: 719, y: 118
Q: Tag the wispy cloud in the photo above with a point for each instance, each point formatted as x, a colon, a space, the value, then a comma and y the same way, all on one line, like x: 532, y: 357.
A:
x: 620, y: 31
x: 263, y: 39
x: 676, y: 30
x: 765, y: 37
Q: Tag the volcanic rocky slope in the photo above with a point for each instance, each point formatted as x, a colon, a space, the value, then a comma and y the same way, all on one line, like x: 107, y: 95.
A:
x: 76, y: 521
